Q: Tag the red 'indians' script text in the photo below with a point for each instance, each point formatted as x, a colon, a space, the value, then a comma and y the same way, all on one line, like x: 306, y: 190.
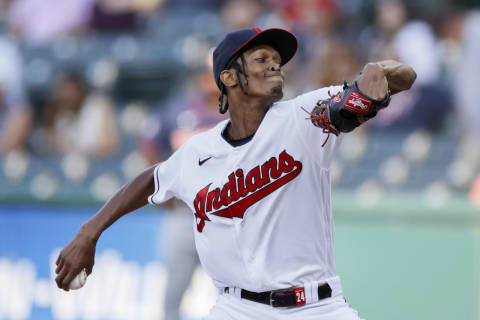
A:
x: 242, y: 191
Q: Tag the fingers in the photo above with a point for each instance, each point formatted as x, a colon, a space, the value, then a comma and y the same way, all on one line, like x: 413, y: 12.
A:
x: 59, y: 266
x: 60, y: 263
x: 69, y: 277
x: 373, y: 70
x: 89, y: 270
x: 373, y: 82
x: 65, y: 276
x: 78, y: 254
x: 60, y: 277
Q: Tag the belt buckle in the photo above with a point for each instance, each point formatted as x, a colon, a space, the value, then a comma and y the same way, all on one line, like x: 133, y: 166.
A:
x: 271, y: 298
x: 273, y: 302
x: 298, y: 294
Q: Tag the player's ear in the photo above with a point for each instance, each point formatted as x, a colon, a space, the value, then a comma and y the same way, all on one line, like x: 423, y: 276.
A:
x: 228, y: 78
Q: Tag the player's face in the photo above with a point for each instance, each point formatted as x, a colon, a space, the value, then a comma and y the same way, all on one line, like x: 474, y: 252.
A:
x: 265, y: 77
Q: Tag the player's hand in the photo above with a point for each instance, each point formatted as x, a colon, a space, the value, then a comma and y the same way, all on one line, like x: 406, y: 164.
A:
x: 356, y: 104
x: 78, y: 254
x: 373, y: 81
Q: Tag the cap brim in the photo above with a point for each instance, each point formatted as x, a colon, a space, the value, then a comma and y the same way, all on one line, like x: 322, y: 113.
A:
x: 281, y: 40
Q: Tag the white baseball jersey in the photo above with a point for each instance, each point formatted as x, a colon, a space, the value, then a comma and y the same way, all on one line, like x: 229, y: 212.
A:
x: 262, y: 210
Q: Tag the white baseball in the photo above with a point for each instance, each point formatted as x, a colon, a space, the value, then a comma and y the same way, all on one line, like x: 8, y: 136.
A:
x: 79, y: 280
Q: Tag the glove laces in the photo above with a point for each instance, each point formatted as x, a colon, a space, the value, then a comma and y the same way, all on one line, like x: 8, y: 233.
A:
x: 320, y: 120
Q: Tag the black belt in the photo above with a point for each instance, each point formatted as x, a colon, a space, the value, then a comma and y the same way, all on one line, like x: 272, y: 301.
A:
x: 284, y: 298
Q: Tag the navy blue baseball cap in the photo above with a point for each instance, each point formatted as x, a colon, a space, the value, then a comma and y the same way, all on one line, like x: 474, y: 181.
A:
x: 237, y: 41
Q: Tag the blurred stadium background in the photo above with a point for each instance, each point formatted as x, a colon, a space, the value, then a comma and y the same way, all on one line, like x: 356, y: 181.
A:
x: 87, y: 87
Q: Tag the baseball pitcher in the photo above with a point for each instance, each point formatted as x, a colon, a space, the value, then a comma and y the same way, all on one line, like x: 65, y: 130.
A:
x: 258, y: 183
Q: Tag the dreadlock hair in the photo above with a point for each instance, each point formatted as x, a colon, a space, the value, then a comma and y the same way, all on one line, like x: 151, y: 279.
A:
x: 223, y: 107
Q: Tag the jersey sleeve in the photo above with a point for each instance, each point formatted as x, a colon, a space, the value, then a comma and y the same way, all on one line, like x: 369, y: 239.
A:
x: 312, y: 136
x: 167, y: 178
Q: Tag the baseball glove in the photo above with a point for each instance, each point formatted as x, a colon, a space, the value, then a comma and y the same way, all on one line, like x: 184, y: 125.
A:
x: 346, y: 110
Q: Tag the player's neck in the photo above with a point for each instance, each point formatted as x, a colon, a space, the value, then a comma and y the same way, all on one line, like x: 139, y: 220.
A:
x: 246, y: 116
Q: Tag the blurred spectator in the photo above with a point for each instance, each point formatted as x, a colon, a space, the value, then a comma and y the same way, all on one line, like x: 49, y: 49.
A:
x: 114, y: 15
x: 313, y: 17
x: 274, y: 16
x: 316, y: 23
x: 449, y: 26
x: 467, y: 102
x: 4, y: 6
x: 416, y: 44
x: 427, y: 104
x: 77, y: 121
x: 190, y: 112
x: 390, y: 16
x: 241, y: 14
x: 193, y: 6
x: 469, y: 68
x: 15, y: 114
x: 39, y: 22
x: 147, y: 6
x: 338, y: 63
